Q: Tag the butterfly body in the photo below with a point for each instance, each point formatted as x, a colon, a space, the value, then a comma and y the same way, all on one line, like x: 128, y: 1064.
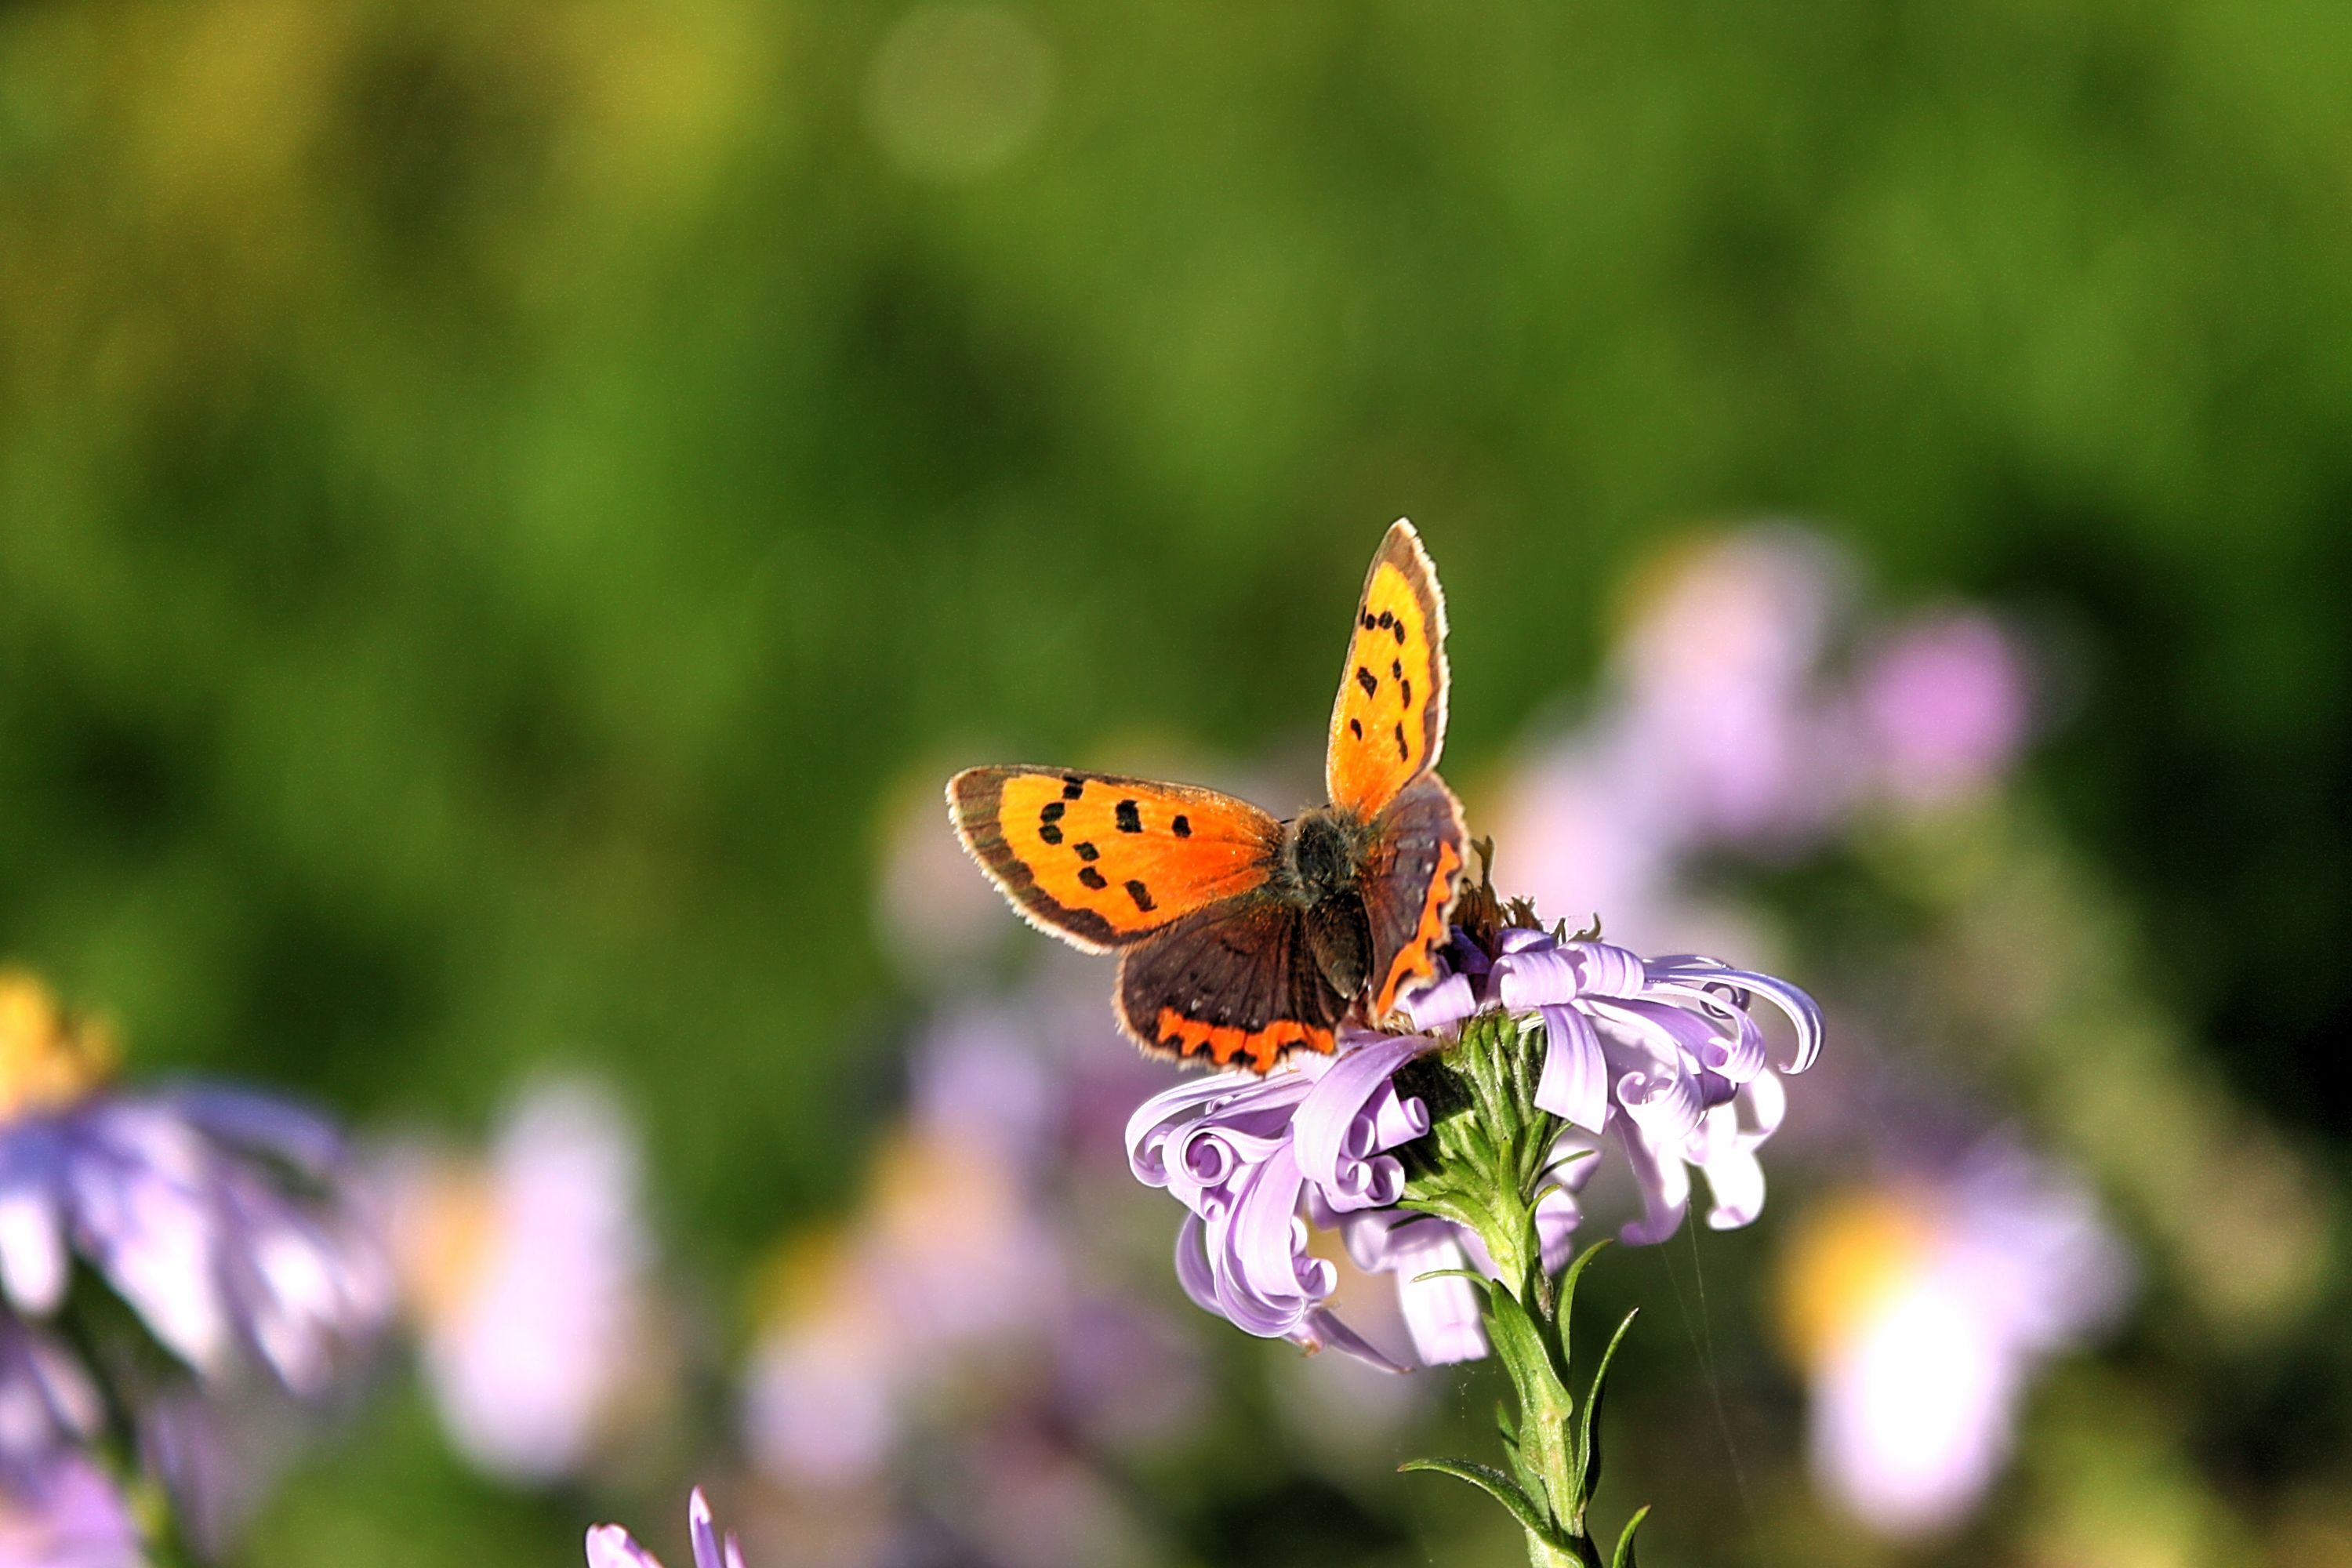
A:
x: 1241, y: 938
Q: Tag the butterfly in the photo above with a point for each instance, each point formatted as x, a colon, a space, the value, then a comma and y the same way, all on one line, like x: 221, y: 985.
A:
x: 1241, y: 938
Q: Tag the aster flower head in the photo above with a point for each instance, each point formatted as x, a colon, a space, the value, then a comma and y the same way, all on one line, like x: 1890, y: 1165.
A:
x: 1658, y: 1058
x: 217, y: 1215
x: 1452, y: 1157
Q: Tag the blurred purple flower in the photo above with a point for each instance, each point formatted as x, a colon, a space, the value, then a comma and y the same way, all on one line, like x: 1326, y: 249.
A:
x: 1660, y: 1056
x: 219, y: 1215
x: 610, y: 1546
x: 947, y: 1256
x: 65, y: 1513
x: 1944, y: 706
x: 526, y: 1276
x: 1725, y: 721
x: 1921, y: 1311
x: 1717, y: 675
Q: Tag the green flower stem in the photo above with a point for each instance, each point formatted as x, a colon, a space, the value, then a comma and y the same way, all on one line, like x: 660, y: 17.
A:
x: 1483, y: 1166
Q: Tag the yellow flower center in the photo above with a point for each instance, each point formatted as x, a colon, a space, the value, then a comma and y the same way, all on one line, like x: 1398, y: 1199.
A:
x: 1847, y: 1256
x: 47, y: 1060
x: 443, y: 1249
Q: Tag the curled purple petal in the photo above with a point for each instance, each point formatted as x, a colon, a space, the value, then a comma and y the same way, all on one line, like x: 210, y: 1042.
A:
x: 1447, y: 1001
x: 1574, y: 1085
x: 1664, y: 1182
x: 1353, y: 1114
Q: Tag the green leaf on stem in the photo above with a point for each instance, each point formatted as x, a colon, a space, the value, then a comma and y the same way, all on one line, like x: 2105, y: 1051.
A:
x: 1624, y: 1556
x: 1586, y: 1478
x: 1568, y: 1300
x: 1503, y: 1489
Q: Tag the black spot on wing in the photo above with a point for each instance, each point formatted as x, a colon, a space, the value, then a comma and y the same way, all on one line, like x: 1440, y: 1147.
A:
x: 1049, y: 833
x: 1181, y: 827
x: 1387, y: 619
x: 1365, y: 679
x: 1356, y: 727
x: 1398, y: 628
x: 1403, y: 751
x: 1087, y: 851
x: 1072, y: 787
x: 1406, y: 686
x: 1052, y: 811
x: 1141, y: 894
x: 1093, y: 878
x: 1130, y: 819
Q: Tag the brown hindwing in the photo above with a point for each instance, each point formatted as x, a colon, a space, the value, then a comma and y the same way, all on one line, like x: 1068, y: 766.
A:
x: 1233, y: 983
x: 1409, y: 882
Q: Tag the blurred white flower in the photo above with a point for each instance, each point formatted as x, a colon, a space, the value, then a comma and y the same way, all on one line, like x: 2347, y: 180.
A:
x: 1920, y: 1314
x: 525, y: 1273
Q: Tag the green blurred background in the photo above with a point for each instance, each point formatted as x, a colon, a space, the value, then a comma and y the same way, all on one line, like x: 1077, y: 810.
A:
x: 501, y: 504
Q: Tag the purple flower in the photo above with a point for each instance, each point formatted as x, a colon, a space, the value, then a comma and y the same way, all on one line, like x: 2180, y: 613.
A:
x: 65, y: 1513
x: 1659, y: 1056
x: 216, y: 1214
x: 1944, y: 706
x: 610, y: 1546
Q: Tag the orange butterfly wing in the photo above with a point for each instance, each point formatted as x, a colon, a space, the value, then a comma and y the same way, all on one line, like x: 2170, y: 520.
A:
x: 1389, y: 723
x: 1103, y: 861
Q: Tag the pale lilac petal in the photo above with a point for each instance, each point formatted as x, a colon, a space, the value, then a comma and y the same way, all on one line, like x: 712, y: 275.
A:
x: 1664, y: 1182
x: 1337, y: 1134
x: 1607, y: 969
x: 704, y: 1534
x: 610, y: 1546
x: 1192, y: 1268
x: 1536, y: 977
x: 47, y: 1400
x: 1557, y: 1218
x: 1735, y: 1179
x: 32, y: 1259
x: 1447, y: 1001
x: 1663, y: 1102
x: 1442, y: 1314
x: 1574, y: 1084
x: 1945, y: 707
x: 1683, y: 971
x: 1324, y: 1329
x: 1267, y: 1281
